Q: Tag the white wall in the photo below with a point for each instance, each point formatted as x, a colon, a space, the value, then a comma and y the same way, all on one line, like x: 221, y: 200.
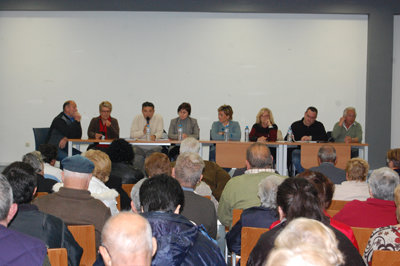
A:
x: 395, y: 141
x: 284, y: 62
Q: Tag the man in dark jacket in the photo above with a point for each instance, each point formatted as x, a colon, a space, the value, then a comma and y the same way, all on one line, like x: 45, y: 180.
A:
x: 29, y: 220
x: 66, y: 125
x: 179, y: 242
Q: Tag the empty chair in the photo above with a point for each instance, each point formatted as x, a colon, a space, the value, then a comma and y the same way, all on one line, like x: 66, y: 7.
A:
x: 40, y: 134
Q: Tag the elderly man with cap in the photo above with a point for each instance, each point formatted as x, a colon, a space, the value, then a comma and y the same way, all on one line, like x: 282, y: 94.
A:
x: 73, y: 202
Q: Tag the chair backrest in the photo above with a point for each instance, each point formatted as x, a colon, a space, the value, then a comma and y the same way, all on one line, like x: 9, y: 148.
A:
x: 40, y: 194
x: 118, y: 199
x: 385, y: 258
x: 128, y: 188
x: 236, y: 213
x: 58, y: 256
x: 250, y: 236
x: 85, y: 237
x: 40, y: 134
x: 362, y: 236
x: 332, y: 212
x: 337, y: 204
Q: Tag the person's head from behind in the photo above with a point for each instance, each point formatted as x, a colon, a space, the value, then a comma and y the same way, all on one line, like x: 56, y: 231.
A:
x: 310, y: 116
x: 314, y: 235
x: 70, y: 108
x: 157, y: 163
x: 296, y: 198
x: 23, y: 181
x: 304, y: 255
x: 77, y: 172
x: 327, y: 154
x: 225, y: 113
x: 189, y: 144
x: 393, y: 158
x: 184, y: 110
x: 7, y: 208
x: 357, y: 170
x: 126, y: 239
x: 267, y: 190
x: 324, y: 186
x: 188, y: 169
x: 382, y: 183
x: 148, y: 110
x: 264, y: 115
x: 258, y: 156
x: 35, y: 160
x: 49, y: 153
x: 120, y: 151
x: 102, y: 164
x: 161, y: 193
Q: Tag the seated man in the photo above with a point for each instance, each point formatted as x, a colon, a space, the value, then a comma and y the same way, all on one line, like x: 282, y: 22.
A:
x: 241, y: 191
x: 179, y: 241
x: 16, y: 248
x: 347, y: 129
x: 49, y: 155
x: 30, y: 221
x: 198, y: 209
x: 377, y: 211
x: 34, y: 159
x: 126, y: 240
x: 66, y: 125
x: 138, y: 131
x: 73, y: 203
x: 307, y: 129
x: 327, y: 161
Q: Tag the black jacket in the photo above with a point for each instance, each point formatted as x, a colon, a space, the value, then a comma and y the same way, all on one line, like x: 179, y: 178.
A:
x: 62, y: 127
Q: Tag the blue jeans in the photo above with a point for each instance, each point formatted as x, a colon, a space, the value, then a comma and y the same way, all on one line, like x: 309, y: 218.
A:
x: 296, y: 160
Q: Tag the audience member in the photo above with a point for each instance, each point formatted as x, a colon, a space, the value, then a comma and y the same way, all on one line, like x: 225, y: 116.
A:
x: 296, y: 198
x: 49, y: 155
x: 17, y: 248
x: 73, y: 203
x: 188, y: 171
x: 179, y: 241
x: 327, y: 162
x: 307, y: 129
x: 393, y: 159
x: 66, y: 125
x: 189, y: 125
x: 241, y: 192
x: 356, y: 187
x: 30, y: 221
x: 156, y: 164
x: 377, y: 211
x: 34, y: 159
x: 262, y: 216
x: 103, y: 127
x: 126, y: 239
x: 385, y: 238
x: 302, y: 234
x: 265, y: 128
x: 347, y: 129
x: 138, y: 131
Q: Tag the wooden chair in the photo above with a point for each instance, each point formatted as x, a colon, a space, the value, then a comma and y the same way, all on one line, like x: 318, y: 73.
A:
x: 58, y: 256
x: 40, y: 194
x: 337, y: 204
x: 250, y: 236
x: 332, y: 212
x: 128, y: 188
x: 84, y: 235
x: 385, y: 258
x: 236, y: 213
x: 362, y: 236
x: 118, y: 199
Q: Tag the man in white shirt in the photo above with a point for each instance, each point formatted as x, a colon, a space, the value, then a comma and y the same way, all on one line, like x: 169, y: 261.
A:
x: 138, y: 131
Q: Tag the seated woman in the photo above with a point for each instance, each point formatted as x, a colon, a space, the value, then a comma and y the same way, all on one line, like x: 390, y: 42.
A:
x: 385, y: 238
x: 261, y: 217
x: 393, y: 160
x: 103, y: 126
x: 355, y: 188
x: 296, y: 198
x: 265, y: 128
x: 188, y: 124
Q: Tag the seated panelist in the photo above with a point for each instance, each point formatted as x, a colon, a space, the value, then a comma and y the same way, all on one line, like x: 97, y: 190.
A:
x: 225, y: 123
x: 347, y: 129
x: 189, y: 125
x: 103, y: 126
x: 265, y: 128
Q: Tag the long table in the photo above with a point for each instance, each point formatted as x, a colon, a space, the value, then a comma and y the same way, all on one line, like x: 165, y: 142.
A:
x: 232, y: 154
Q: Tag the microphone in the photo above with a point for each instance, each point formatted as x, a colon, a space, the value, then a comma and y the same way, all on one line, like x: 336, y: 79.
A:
x: 148, y: 120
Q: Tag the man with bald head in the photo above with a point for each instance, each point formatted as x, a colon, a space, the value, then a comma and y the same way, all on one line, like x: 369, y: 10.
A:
x: 66, y: 125
x: 126, y: 239
x: 241, y: 191
x: 327, y: 161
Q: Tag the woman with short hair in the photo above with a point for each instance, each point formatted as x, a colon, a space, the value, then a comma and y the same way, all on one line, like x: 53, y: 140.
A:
x: 189, y: 125
x: 103, y: 126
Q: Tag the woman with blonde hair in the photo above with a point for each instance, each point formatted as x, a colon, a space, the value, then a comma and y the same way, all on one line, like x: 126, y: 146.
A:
x: 355, y: 187
x: 265, y: 128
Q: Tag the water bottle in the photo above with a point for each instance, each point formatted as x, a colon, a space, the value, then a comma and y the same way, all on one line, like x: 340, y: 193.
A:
x: 180, y: 131
x: 226, y: 133
x: 148, y: 134
x: 290, y: 135
x: 246, y: 134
